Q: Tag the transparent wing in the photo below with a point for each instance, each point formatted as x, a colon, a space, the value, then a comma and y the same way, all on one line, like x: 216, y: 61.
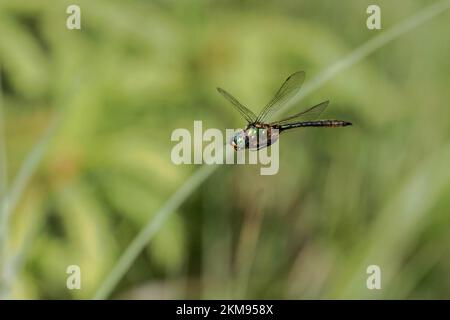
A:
x: 248, y: 114
x: 288, y: 90
x: 308, y: 115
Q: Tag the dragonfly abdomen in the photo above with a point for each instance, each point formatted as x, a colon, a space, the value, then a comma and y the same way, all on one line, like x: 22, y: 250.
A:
x: 318, y: 123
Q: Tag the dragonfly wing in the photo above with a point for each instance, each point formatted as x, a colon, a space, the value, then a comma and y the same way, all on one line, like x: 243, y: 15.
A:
x: 288, y: 90
x: 307, y: 115
x: 248, y: 114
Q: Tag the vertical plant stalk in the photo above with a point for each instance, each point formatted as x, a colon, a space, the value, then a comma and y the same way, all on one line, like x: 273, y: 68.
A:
x: 11, y: 199
x: 3, y: 156
x: 3, y: 182
x: 147, y: 233
x: 28, y: 168
x: 14, y: 263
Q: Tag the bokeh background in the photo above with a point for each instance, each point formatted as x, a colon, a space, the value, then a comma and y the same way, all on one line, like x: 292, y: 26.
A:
x: 87, y: 117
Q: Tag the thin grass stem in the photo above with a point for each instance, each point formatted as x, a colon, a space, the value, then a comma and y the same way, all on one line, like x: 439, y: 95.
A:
x: 150, y: 229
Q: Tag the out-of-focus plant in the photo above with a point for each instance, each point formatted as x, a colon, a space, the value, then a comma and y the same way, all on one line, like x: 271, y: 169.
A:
x: 375, y: 194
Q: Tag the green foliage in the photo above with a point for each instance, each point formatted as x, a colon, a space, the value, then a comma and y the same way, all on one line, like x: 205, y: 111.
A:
x: 376, y: 193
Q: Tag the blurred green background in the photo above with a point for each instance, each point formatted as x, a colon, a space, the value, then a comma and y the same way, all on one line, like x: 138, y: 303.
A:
x: 376, y: 193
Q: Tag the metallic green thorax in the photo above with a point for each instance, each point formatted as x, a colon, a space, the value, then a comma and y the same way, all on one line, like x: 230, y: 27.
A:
x: 255, y: 137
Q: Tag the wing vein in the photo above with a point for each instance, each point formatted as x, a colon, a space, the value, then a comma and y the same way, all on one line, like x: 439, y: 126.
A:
x: 245, y: 112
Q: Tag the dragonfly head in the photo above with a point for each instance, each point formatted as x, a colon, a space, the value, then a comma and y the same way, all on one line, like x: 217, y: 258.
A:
x: 238, y: 140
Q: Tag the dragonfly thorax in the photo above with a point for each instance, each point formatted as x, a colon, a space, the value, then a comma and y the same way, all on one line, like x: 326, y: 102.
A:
x: 254, y: 137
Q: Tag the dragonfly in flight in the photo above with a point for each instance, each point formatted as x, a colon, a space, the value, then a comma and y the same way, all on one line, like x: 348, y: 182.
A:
x: 259, y: 133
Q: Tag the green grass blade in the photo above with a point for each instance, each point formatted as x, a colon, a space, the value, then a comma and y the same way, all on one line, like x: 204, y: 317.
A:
x: 366, y: 49
x: 10, y: 200
x: 151, y: 228
x: 3, y: 179
x: 141, y: 240
x: 3, y: 156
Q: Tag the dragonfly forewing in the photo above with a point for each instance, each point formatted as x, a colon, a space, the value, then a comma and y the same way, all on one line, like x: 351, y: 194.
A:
x: 245, y: 112
x: 288, y: 90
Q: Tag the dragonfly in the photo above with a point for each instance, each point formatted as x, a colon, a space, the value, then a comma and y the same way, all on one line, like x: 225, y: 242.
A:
x: 259, y: 133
